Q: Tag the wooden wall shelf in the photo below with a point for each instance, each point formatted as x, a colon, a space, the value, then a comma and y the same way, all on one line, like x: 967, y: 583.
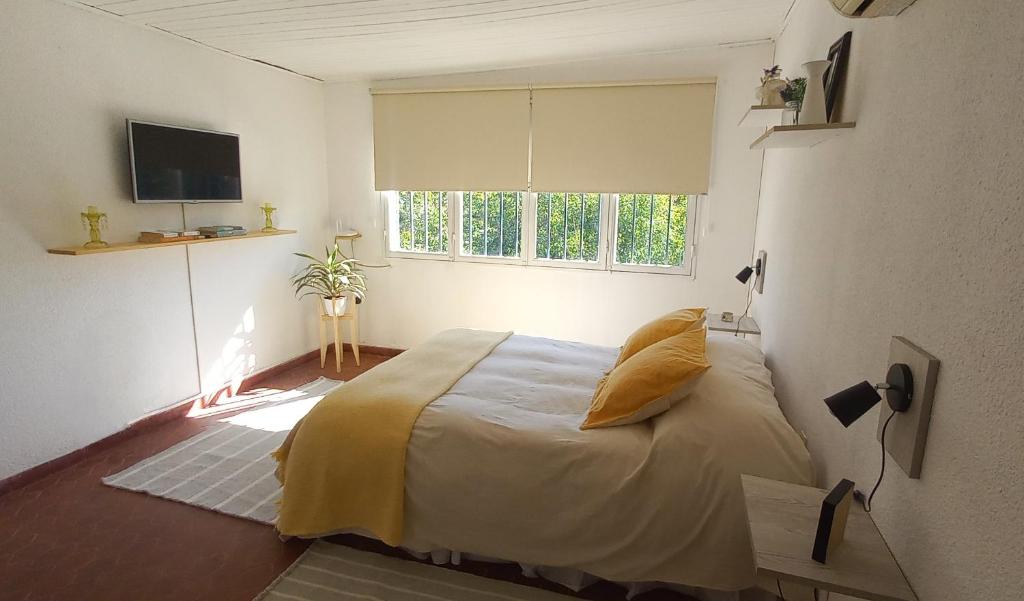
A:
x: 764, y: 116
x: 123, y: 246
x: 800, y: 136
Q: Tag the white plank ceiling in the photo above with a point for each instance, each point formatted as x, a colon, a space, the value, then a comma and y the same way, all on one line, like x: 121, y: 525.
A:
x: 382, y: 39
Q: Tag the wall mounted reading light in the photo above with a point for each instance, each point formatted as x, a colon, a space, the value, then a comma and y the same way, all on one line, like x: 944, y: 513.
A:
x: 757, y: 270
x: 744, y: 275
x: 850, y: 404
x: 908, y: 397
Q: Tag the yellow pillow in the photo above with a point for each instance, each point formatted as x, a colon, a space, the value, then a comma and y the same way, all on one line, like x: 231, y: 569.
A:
x: 649, y: 382
x: 674, y: 323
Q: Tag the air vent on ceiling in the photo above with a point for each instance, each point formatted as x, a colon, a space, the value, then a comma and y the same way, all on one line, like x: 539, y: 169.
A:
x: 871, y: 8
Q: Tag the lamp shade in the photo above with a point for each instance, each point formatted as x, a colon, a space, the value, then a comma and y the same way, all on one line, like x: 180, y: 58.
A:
x: 744, y: 275
x: 848, y: 405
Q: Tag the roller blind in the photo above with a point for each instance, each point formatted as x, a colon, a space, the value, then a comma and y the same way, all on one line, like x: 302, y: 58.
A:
x: 635, y: 138
x: 458, y: 140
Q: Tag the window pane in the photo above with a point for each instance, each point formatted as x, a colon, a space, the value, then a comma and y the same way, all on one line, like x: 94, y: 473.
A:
x: 651, y: 229
x: 423, y: 221
x: 491, y: 223
x: 568, y: 226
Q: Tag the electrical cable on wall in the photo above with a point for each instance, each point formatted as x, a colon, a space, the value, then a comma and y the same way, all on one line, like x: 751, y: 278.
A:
x: 881, y: 473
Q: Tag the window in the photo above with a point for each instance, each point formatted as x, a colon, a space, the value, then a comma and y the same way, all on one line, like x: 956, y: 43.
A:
x: 651, y: 229
x: 568, y: 226
x: 420, y: 222
x: 492, y: 224
x: 592, y: 230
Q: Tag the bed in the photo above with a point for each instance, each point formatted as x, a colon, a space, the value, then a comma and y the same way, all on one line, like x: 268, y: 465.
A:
x: 498, y: 467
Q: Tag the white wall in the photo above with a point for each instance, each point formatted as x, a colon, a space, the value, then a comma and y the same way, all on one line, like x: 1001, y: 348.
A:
x: 93, y: 343
x: 415, y: 298
x: 911, y: 225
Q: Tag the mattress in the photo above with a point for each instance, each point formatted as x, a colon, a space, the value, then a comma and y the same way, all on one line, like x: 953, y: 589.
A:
x: 498, y: 467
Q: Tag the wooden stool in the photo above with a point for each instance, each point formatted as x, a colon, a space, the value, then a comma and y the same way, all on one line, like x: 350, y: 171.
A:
x: 352, y: 317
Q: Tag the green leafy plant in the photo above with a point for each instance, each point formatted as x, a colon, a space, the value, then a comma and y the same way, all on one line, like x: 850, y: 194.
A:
x: 794, y: 91
x: 330, y: 278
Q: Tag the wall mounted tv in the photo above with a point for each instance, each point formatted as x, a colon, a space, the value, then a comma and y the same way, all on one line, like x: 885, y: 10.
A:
x: 179, y: 164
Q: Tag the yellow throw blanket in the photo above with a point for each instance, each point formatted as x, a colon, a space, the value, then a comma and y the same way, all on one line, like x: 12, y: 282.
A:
x: 343, y: 466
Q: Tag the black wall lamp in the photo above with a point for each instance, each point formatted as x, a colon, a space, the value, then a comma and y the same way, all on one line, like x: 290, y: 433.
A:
x: 850, y: 404
x: 744, y: 275
x: 756, y: 270
x: 909, y: 391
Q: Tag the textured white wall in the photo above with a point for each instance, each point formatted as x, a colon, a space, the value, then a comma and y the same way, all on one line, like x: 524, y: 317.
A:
x: 92, y: 343
x: 415, y: 298
x: 911, y: 225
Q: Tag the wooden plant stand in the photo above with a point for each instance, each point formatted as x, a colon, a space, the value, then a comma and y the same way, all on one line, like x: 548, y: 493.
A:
x: 352, y: 317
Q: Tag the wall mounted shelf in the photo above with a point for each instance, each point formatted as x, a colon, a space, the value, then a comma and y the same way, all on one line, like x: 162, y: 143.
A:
x: 764, y: 116
x: 123, y: 246
x: 800, y: 136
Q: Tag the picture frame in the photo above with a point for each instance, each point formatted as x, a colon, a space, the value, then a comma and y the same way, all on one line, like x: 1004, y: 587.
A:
x: 835, y: 76
x: 835, y: 510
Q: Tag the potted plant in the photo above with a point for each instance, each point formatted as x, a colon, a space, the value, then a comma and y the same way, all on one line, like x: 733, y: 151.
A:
x: 793, y: 94
x: 333, y: 280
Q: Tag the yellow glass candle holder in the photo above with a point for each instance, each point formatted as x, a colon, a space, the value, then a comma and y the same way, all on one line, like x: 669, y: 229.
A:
x: 93, y: 219
x: 268, y: 211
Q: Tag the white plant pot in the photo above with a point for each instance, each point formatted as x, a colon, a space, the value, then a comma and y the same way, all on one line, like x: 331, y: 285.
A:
x: 335, y: 306
x: 813, y: 110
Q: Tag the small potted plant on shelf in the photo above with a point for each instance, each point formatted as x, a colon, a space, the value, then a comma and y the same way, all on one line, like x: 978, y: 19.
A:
x: 333, y: 280
x: 793, y: 94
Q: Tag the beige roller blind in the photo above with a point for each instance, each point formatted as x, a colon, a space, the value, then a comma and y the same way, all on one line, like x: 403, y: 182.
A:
x: 635, y: 138
x: 458, y: 140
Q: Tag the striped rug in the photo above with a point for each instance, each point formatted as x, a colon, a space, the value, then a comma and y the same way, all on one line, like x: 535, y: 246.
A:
x: 228, y: 468
x: 329, y: 572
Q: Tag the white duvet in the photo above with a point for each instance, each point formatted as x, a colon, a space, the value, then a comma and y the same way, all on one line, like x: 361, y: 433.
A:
x: 499, y: 467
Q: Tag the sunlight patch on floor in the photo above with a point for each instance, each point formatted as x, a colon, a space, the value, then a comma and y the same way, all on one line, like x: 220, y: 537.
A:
x: 277, y: 417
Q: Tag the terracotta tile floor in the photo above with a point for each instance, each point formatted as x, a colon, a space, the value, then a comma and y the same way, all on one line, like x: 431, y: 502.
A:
x: 67, y: 536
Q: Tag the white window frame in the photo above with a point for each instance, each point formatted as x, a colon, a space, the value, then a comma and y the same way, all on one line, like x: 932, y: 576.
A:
x: 607, y: 237
x: 692, y: 214
x: 602, y: 240
x: 392, y: 234
x: 455, y: 218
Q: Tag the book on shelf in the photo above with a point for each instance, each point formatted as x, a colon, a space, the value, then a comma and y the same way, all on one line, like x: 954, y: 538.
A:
x: 225, y: 233
x: 155, y: 238
x: 168, y: 233
x: 206, y: 229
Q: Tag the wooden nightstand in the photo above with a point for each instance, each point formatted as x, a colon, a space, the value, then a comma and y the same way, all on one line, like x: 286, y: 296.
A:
x: 783, y: 519
x: 746, y: 325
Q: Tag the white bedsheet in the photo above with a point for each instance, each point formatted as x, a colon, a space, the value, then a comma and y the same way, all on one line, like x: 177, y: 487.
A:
x: 498, y: 467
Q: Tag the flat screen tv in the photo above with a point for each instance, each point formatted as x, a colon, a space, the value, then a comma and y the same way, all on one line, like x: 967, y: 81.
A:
x: 179, y: 164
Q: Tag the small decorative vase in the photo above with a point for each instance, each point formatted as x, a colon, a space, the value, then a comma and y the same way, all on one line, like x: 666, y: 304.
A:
x: 813, y: 109
x: 794, y: 112
x: 770, y: 92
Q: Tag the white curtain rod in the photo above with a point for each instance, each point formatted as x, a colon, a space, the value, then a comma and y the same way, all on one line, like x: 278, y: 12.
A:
x: 609, y: 84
